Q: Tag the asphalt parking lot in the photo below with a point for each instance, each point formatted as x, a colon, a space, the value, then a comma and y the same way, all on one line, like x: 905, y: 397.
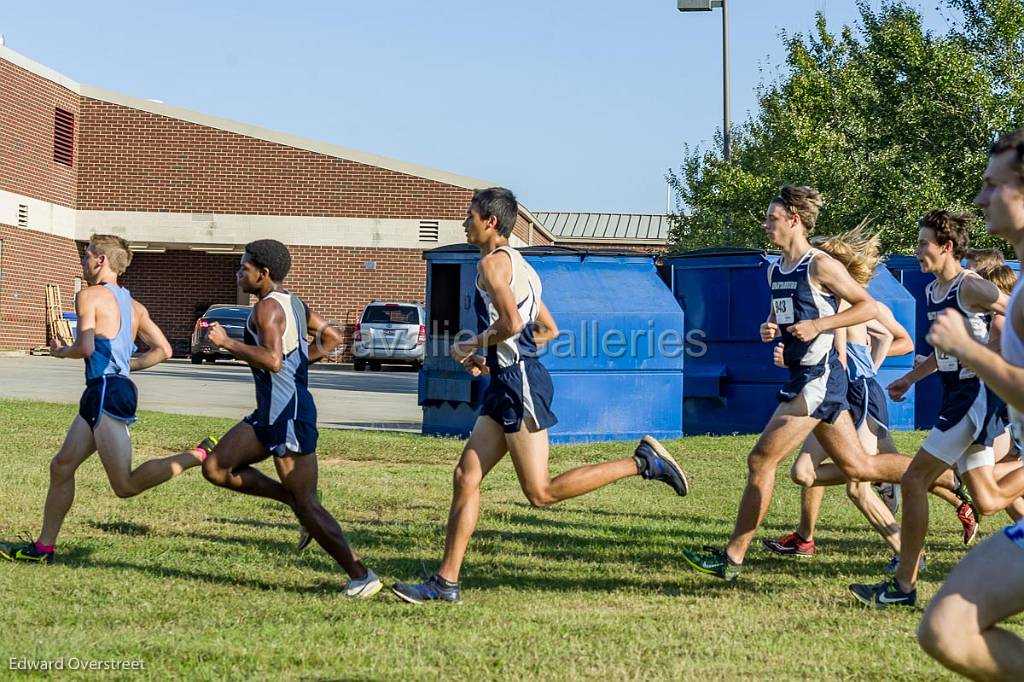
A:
x: 345, y: 399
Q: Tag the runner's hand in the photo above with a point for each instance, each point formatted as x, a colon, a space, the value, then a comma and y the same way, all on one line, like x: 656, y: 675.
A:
x: 778, y: 356
x: 898, y: 389
x: 804, y: 330
x: 769, y: 331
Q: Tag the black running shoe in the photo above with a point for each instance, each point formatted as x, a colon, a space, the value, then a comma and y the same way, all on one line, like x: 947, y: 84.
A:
x: 887, y: 593
x: 26, y: 553
x: 655, y: 464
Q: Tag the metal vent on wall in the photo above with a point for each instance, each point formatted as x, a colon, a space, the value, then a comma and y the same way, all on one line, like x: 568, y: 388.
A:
x: 22, y: 215
x: 429, y: 230
x: 63, y: 137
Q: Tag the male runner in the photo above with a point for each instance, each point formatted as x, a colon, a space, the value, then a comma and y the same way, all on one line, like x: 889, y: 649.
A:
x: 959, y: 628
x: 806, y: 286
x: 284, y: 423
x: 516, y: 412
x: 109, y: 321
x: 968, y: 421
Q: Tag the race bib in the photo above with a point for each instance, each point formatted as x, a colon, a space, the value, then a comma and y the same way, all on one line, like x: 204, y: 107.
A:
x: 946, y: 362
x: 784, y: 310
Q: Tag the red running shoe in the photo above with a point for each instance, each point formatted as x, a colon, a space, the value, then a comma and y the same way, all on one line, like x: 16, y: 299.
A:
x: 790, y: 545
x: 965, y: 512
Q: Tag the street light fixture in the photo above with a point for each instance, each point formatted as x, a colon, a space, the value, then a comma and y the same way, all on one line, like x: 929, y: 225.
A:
x: 707, y: 6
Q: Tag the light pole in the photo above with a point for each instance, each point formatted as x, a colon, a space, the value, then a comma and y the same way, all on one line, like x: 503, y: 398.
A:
x: 707, y: 6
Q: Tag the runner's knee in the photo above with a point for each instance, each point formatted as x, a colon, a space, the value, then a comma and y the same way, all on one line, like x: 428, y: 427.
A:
x: 539, y: 498
x: 214, y: 472
x: 802, y: 473
x: 61, y: 469
x: 465, y: 480
x: 942, y: 633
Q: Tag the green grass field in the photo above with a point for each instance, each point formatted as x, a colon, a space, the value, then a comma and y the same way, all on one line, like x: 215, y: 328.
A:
x: 200, y: 583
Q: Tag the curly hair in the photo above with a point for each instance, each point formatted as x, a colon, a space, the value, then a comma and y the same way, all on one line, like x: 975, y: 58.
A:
x: 856, y: 249
x: 949, y: 228
x: 272, y: 255
x: 803, y: 201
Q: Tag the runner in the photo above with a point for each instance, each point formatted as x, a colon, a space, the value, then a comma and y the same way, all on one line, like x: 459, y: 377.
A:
x: 516, y: 412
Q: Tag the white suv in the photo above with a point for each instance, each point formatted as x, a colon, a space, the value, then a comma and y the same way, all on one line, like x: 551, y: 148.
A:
x: 390, y: 332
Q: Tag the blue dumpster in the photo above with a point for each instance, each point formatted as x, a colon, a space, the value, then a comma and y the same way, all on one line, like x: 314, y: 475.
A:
x: 617, y: 365
x: 731, y: 383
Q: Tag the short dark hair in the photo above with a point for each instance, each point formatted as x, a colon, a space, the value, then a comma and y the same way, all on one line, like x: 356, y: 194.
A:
x: 949, y: 228
x: 1011, y: 141
x: 498, y: 202
x: 272, y: 255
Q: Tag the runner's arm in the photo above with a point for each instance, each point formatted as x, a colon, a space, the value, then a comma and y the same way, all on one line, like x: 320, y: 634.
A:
x: 326, y: 336
x: 544, y: 329
x: 832, y: 276
x: 152, y: 336
x: 85, y: 343
x: 980, y: 295
x: 270, y: 325
x: 496, y: 275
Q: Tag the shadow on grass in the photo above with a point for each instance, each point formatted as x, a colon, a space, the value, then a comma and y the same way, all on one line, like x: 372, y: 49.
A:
x: 121, y: 527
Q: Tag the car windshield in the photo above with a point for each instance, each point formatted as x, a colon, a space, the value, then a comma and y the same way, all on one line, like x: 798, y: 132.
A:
x: 391, y: 314
x: 228, y: 314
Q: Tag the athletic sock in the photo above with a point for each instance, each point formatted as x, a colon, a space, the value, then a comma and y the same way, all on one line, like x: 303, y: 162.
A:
x: 203, y: 453
x: 46, y: 549
x: 445, y: 583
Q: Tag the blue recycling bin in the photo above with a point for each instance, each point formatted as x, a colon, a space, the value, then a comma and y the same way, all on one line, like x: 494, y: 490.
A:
x: 72, y: 319
x: 616, y: 366
x: 731, y: 384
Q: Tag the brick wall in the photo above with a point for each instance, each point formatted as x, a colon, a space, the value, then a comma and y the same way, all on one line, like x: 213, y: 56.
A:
x: 522, y: 230
x: 29, y: 261
x: 334, y: 282
x: 27, y: 104
x: 132, y: 160
x: 171, y: 285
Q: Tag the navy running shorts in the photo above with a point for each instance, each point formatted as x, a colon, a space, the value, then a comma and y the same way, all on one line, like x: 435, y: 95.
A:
x: 285, y: 436
x: 112, y: 395
x: 823, y: 387
x: 517, y: 392
x: 867, y: 400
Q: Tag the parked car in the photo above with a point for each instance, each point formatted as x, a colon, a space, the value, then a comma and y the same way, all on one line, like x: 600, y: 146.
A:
x: 390, y: 332
x: 231, y: 317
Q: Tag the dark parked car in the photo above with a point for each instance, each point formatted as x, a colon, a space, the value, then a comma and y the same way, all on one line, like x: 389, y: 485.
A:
x: 231, y: 317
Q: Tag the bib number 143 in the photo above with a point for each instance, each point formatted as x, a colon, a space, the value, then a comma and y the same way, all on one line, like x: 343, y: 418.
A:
x: 784, y: 310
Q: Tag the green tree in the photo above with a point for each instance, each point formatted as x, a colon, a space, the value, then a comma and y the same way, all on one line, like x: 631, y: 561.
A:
x: 886, y: 119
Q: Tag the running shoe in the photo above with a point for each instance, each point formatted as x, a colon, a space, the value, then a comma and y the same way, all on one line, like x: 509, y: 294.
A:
x: 654, y: 463
x: 790, y: 545
x: 26, y: 553
x: 968, y: 519
x: 887, y: 593
x: 363, y: 588
x: 434, y: 589
x: 714, y: 562
x: 890, y: 494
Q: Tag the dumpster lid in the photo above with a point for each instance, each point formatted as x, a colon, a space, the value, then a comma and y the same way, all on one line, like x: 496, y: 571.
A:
x: 555, y: 250
x: 719, y: 251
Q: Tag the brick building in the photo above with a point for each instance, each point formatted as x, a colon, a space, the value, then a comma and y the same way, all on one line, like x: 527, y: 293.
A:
x: 188, y: 190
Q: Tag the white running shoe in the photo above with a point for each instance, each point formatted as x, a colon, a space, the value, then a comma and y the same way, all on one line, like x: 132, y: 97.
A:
x: 364, y: 587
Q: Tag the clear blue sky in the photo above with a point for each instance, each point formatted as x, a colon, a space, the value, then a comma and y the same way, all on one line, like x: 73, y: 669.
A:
x: 576, y: 106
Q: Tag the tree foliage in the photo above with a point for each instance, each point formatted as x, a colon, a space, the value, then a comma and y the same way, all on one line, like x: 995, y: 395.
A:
x: 887, y: 119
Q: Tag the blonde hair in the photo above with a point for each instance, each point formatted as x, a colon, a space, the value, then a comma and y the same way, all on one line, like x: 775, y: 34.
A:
x: 856, y: 249
x: 116, y: 249
x: 803, y: 201
x: 1001, y: 275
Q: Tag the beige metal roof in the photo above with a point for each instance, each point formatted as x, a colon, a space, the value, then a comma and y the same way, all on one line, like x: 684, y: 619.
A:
x: 604, y: 227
